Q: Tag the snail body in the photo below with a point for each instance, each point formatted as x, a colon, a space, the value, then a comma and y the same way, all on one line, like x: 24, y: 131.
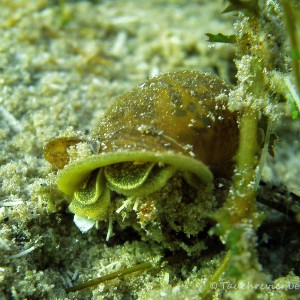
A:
x: 174, y: 123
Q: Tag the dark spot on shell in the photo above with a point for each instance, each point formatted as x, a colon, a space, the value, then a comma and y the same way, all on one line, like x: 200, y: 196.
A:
x: 179, y: 112
x: 191, y: 107
x: 175, y: 98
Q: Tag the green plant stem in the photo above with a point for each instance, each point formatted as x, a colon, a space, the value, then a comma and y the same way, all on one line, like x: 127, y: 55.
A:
x: 242, y: 198
x: 290, y: 21
x: 239, y: 219
x: 90, y: 283
x: 216, y: 276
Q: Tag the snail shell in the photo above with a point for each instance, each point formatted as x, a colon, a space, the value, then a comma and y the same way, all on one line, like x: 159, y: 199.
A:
x: 176, y: 122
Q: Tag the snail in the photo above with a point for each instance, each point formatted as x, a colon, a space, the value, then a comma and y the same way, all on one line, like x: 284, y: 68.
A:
x: 176, y: 125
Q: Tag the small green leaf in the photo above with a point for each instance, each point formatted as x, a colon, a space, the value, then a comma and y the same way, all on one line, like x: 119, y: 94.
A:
x: 221, y: 38
x: 250, y: 6
x: 294, y: 110
x: 230, y: 8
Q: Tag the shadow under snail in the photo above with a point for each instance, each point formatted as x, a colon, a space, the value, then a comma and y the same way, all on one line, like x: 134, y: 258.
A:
x: 176, y: 125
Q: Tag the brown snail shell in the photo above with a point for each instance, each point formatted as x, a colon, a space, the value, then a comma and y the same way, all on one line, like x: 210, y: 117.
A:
x: 177, y: 112
x: 175, y: 122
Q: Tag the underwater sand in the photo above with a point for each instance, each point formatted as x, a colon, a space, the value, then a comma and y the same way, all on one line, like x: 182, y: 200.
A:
x: 60, y: 68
